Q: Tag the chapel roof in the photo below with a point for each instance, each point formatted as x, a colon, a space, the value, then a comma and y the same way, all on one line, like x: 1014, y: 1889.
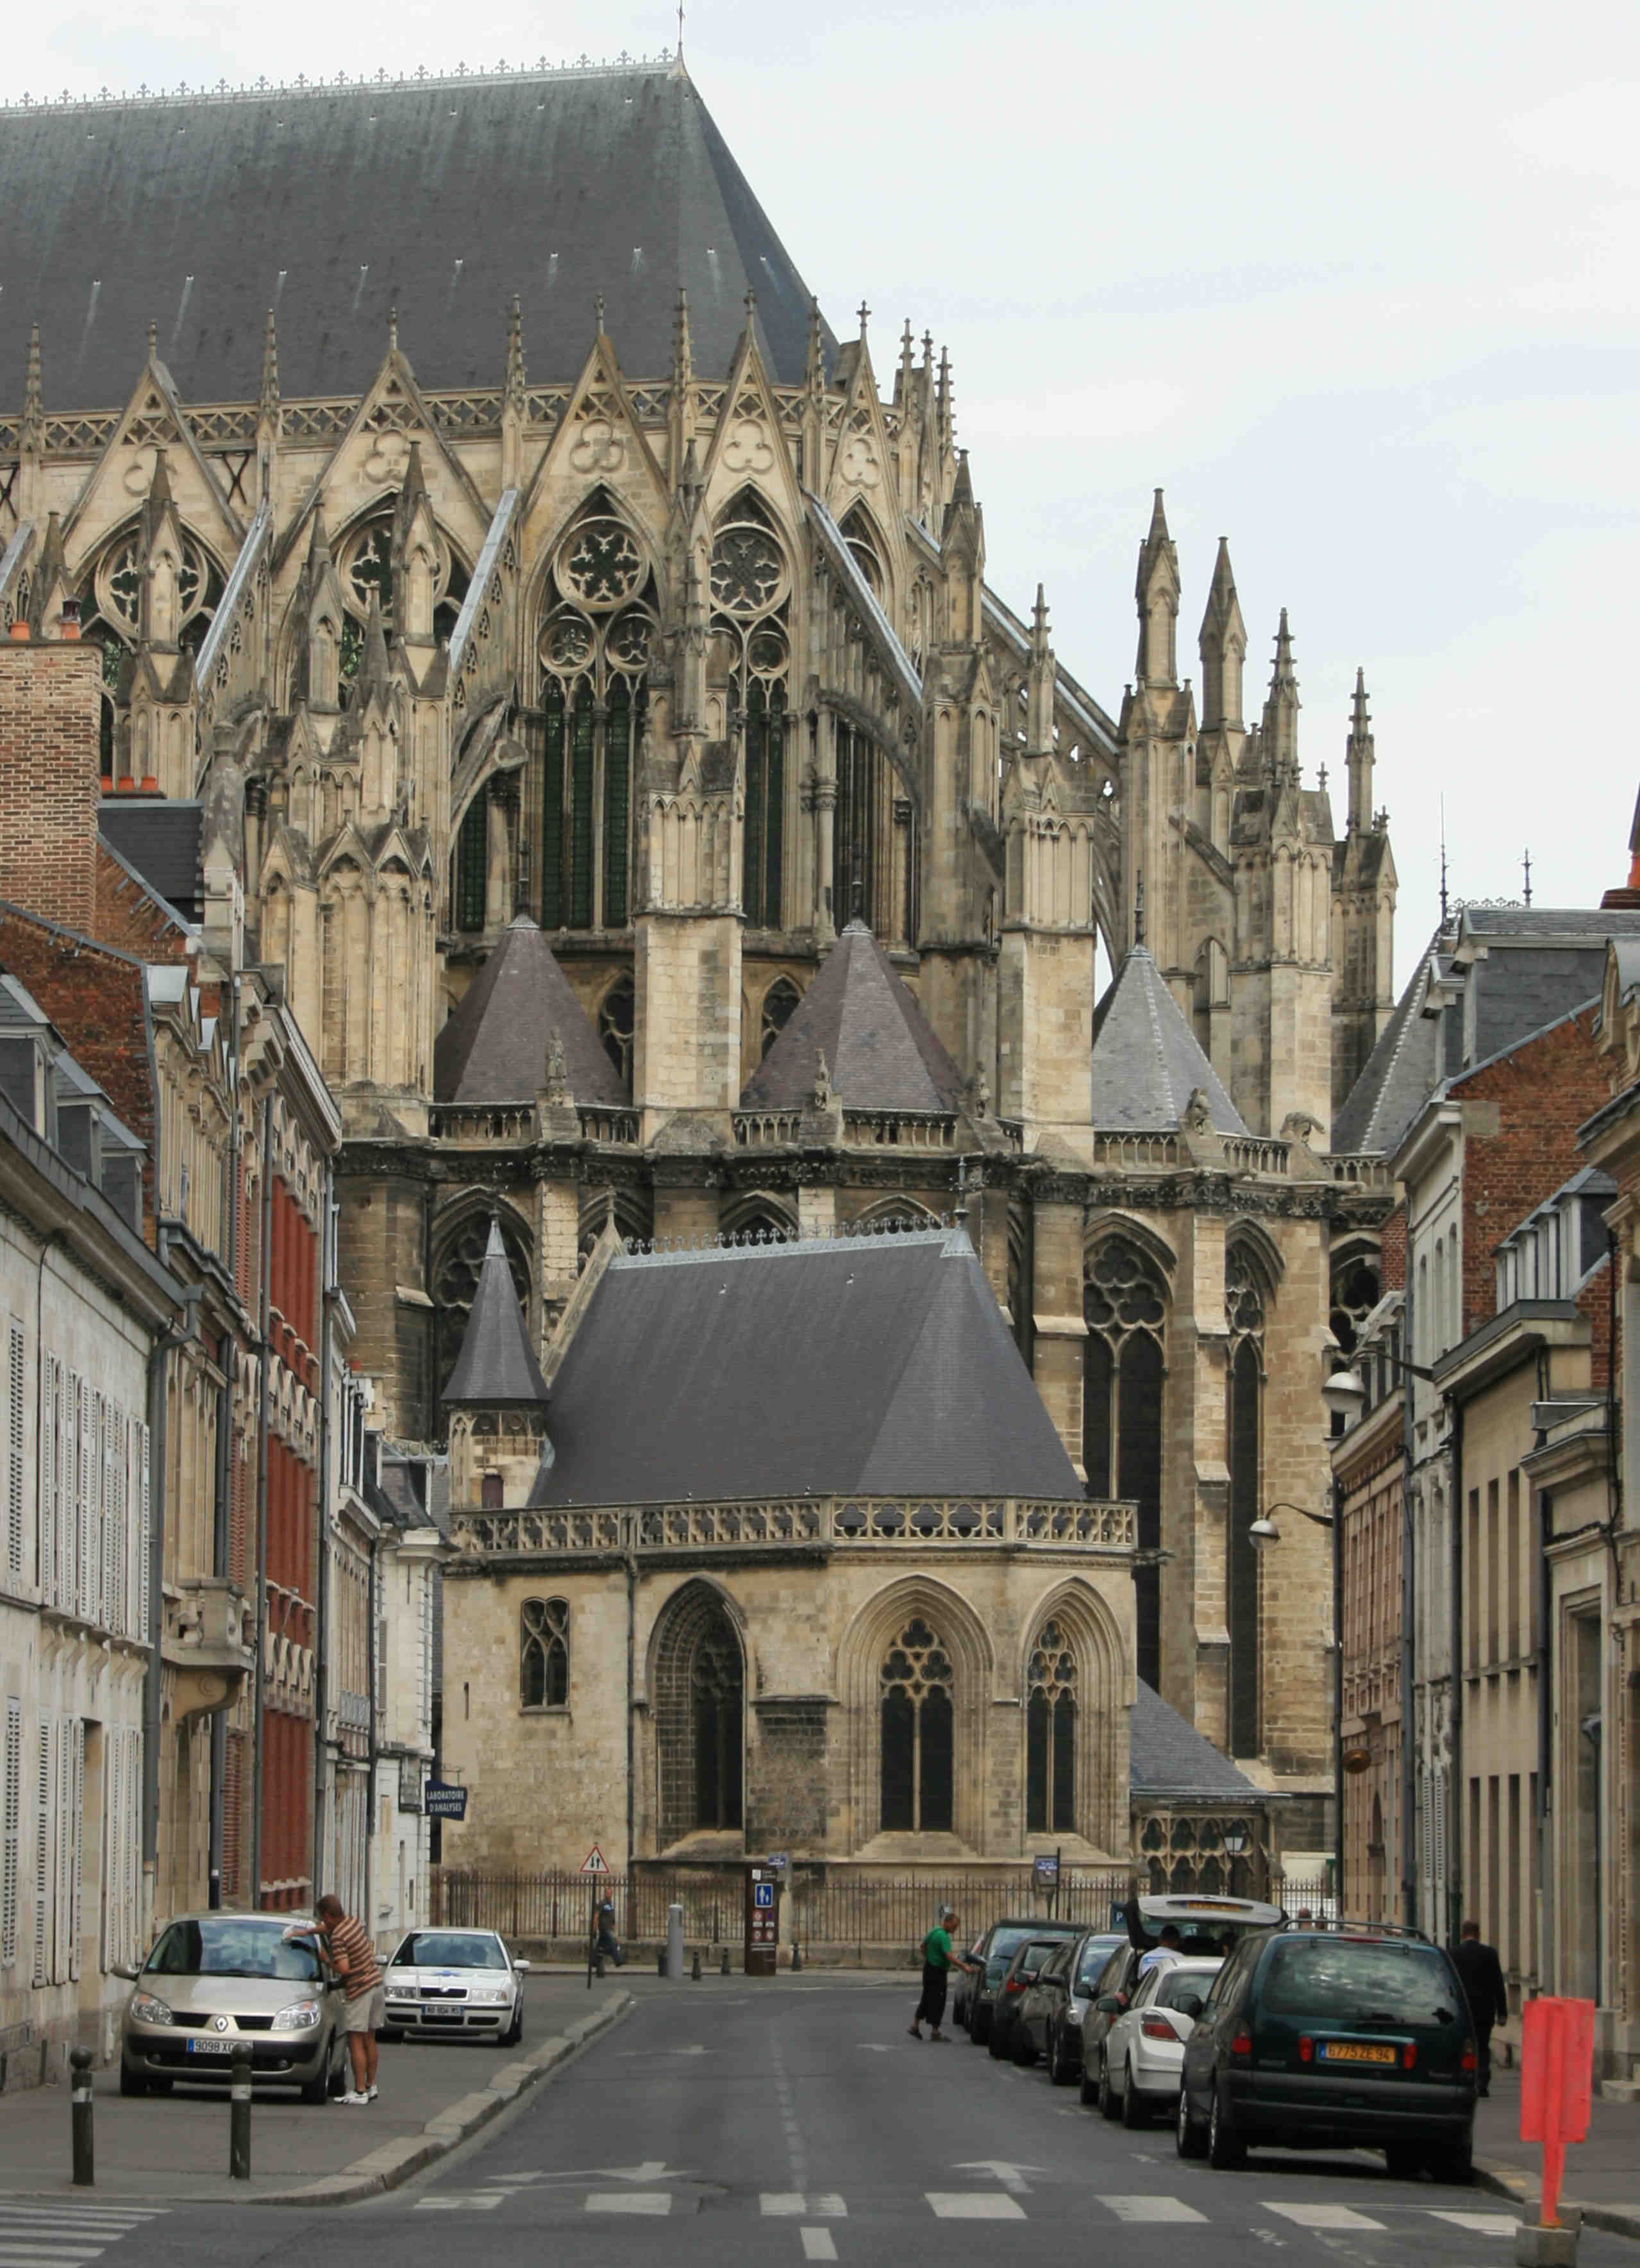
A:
x: 1169, y: 1761
x: 1147, y: 1062
x: 876, y: 1365
x: 880, y: 1050
x: 497, y: 1363
x: 493, y: 1048
x: 334, y: 205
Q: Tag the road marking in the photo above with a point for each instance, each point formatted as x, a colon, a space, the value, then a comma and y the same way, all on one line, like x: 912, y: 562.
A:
x: 1321, y: 2216
x: 48, y: 2248
x: 973, y: 2204
x: 652, y: 2169
x: 1010, y: 2177
x: 794, y: 2203
x: 817, y: 2244
x: 630, y: 2201
x: 629, y: 2055
x: 474, y: 2200
x: 1483, y: 2224
x: 1151, y: 2208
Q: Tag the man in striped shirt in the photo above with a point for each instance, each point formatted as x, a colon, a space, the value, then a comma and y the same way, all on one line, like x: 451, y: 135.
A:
x: 353, y: 1957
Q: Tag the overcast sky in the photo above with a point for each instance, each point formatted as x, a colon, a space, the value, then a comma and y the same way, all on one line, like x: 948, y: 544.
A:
x: 1358, y: 287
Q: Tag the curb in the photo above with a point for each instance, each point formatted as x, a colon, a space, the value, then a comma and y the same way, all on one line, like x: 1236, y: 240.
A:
x: 396, y: 2161
x: 1505, y: 2182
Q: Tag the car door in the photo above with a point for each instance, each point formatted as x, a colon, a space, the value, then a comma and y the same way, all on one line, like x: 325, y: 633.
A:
x: 1115, y: 1982
x: 1122, y: 2027
x: 1212, y: 2027
x: 1042, y: 2003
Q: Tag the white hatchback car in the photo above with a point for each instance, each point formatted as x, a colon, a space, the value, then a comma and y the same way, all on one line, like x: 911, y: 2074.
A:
x: 1145, y: 2051
x: 454, y: 1984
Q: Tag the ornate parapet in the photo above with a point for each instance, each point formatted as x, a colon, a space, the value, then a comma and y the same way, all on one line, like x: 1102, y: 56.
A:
x: 824, y: 1523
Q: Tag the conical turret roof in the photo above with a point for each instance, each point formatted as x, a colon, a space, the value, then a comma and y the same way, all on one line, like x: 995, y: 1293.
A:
x: 879, y: 1050
x: 497, y: 1362
x: 1147, y: 1062
x: 493, y: 1047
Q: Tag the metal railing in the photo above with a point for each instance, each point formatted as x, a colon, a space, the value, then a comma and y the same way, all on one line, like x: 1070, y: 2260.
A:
x: 828, y: 1522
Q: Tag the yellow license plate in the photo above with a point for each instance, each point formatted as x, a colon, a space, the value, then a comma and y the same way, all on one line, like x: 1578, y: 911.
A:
x: 1358, y: 2052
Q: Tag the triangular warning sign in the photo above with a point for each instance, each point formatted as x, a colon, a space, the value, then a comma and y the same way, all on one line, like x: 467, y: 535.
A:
x: 594, y: 1862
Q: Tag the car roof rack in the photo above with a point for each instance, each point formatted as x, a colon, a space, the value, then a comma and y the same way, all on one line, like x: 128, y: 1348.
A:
x: 1343, y: 1925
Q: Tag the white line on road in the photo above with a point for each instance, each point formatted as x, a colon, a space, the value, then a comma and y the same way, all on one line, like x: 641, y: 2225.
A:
x: 817, y: 2244
x: 973, y: 2204
x: 793, y: 2204
x: 1321, y: 2216
x: 630, y: 2201
x: 22, y: 2256
x: 471, y: 2200
x: 1151, y: 2208
x: 1483, y: 2224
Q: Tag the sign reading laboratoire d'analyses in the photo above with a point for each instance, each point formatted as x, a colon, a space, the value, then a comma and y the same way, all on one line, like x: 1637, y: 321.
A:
x: 445, y: 1800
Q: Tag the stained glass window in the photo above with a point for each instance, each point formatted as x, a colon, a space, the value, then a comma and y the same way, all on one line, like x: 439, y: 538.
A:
x: 471, y: 875
x: 765, y: 801
x: 1124, y: 1305
x: 1051, y: 1735
x: 544, y: 1654
x: 917, y: 1733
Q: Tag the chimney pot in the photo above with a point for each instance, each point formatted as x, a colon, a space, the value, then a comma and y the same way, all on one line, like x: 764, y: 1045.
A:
x: 20, y: 630
x: 68, y: 620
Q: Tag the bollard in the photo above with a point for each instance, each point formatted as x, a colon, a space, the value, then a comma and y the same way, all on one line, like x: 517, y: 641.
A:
x: 239, y: 2118
x: 723, y: 1967
x: 695, y: 1972
x: 797, y: 1956
x: 674, y: 1942
x: 80, y: 2118
x: 1556, y: 2065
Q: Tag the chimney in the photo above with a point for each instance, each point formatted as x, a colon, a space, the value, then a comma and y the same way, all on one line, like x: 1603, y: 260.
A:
x: 1628, y: 900
x: 50, y: 699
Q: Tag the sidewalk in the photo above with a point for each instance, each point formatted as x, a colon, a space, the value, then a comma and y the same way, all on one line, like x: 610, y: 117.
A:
x: 175, y: 2147
x: 1602, y: 2174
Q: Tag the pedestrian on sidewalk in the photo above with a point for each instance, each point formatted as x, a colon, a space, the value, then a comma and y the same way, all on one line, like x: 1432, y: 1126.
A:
x: 608, y: 1947
x: 353, y: 1957
x: 1481, y: 1974
x: 938, y: 1960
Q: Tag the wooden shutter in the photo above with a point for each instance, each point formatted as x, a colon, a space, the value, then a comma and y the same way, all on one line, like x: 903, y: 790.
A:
x: 46, y: 1572
x: 12, y: 1799
x: 45, y: 1855
x: 89, y: 1569
x: 73, y: 1837
x: 18, y: 1416
x: 143, y: 1601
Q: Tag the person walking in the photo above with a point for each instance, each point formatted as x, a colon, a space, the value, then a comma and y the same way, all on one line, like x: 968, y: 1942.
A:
x: 353, y: 1957
x: 1481, y: 1974
x: 938, y: 1960
x: 608, y: 1949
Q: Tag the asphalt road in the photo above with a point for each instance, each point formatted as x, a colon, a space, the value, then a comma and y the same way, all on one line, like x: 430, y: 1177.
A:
x: 792, y: 2121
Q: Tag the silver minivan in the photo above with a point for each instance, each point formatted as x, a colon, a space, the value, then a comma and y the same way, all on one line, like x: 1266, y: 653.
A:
x: 219, y: 1984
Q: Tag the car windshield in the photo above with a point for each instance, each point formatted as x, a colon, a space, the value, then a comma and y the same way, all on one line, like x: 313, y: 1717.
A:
x: 1095, y: 1954
x: 1006, y: 1942
x: 226, y: 1946
x: 1323, y: 1979
x: 448, y: 1948
x: 1179, y: 1985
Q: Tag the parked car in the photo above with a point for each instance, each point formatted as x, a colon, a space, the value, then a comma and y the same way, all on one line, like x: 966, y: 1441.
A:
x: 963, y: 1982
x: 1059, y: 1996
x: 1145, y: 2044
x: 220, y: 1984
x: 1022, y: 1967
x: 1208, y: 1928
x: 446, y: 1981
x: 1352, y: 2037
x: 997, y: 1948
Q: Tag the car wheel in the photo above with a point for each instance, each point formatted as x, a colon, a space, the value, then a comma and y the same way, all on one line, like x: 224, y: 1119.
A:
x: 1088, y: 2086
x: 131, y: 2082
x: 1133, y: 2110
x: 1059, y: 2072
x: 1227, y: 2152
x: 1455, y: 2166
x: 979, y: 2026
x: 318, y: 2091
x: 514, y: 2032
x: 1024, y: 2047
x: 998, y: 2041
x: 1404, y: 2161
x: 1188, y: 2139
x: 1108, y: 2106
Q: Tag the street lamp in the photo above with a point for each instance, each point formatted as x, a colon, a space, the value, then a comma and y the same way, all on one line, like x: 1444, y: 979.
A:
x: 1235, y: 1842
x: 1262, y: 1533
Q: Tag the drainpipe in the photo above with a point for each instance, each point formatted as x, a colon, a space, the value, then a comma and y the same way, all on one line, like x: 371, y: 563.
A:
x: 153, y: 1676
x: 1408, y: 1651
x: 261, y: 1509
x: 631, y: 1919
x: 1455, y: 1808
x: 1548, y: 1960
x: 323, y: 1774
x: 373, y: 1598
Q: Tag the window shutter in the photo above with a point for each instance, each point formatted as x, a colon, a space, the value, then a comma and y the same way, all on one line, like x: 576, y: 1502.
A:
x: 107, y: 1531
x: 14, y: 1456
x: 62, y: 1837
x: 45, y: 1571
x: 134, y: 1843
x: 89, y: 1569
x: 74, y: 1840
x: 144, y: 1633
x: 68, y: 1496
x: 13, y: 1802
x: 44, y: 1856
x: 112, y: 1828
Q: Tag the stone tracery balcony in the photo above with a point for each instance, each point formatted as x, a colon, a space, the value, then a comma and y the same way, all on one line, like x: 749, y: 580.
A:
x: 825, y: 1523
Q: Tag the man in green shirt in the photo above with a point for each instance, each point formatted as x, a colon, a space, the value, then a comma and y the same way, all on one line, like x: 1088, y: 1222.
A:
x: 938, y: 1960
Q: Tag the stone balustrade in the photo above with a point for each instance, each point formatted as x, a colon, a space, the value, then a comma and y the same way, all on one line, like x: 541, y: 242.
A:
x: 824, y: 1522
x: 1361, y: 1170
x: 515, y: 1125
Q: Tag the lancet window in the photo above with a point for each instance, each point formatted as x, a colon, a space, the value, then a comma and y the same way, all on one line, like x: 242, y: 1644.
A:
x: 617, y: 1018
x: 750, y: 662
x: 364, y: 570
x: 1244, y: 1311
x: 111, y: 611
x: 597, y: 638
x: 544, y: 1654
x: 1125, y: 1306
x: 779, y: 1005
x: 917, y: 1733
x: 472, y: 865
x: 699, y: 1716
x: 1050, y: 1734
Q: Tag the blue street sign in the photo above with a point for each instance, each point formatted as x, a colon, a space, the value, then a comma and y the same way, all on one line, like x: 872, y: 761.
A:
x: 762, y: 1894
x: 445, y: 1800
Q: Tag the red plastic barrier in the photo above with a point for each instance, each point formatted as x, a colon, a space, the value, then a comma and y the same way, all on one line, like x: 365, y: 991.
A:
x: 1556, y: 2083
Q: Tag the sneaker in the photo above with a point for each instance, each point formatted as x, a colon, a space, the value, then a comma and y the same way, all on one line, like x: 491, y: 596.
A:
x: 353, y: 2095
x: 370, y: 2093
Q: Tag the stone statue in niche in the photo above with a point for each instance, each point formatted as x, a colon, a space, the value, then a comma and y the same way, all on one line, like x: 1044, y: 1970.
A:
x: 822, y: 1081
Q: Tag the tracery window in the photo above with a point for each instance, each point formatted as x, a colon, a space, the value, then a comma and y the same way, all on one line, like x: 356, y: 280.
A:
x: 917, y: 1733
x: 1355, y: 1292
x: 717, y: 1682
x: 750, y: 662
x: 1125, y: 1307
x: 111, y: 609
x: 597, y: 639
x: 1050, y: 1734
x: 699, y: 1699
x: 1244, y: 1311
x: 779, y: 1004
x: 617, y: 1015
x: 365, y: 570
x: 544, y: 1654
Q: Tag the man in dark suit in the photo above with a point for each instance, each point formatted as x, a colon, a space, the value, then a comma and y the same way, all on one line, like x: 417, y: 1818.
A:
x: 1481, y: 1977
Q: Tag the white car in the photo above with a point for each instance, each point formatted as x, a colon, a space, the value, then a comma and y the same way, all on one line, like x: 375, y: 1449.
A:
x: 455, y: 1983
x: 1145, y: 2051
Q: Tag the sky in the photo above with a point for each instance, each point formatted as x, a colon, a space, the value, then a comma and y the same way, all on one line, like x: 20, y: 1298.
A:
x: 1358, y: 288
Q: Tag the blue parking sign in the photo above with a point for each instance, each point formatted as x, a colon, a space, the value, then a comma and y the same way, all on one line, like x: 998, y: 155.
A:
x: 762, y: 1894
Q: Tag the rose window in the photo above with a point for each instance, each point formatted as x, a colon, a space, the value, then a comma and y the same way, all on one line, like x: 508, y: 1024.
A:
x: 747, y: 571
x: 120, y: 595
x: 601, y: 563
x: 569, y: 643
x: 766, y: 652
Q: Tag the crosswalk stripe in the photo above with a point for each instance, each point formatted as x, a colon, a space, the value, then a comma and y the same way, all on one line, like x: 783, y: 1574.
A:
x: 973, y: 2204
x: 1322, y: 2216
x: 794, y: 2205
x: 817, y: 2244
x: 1483, y: 2224
x: 1151, y: 2208
x: 630, y: 2201
x: 475, y: 2200
x: 13, y: 2255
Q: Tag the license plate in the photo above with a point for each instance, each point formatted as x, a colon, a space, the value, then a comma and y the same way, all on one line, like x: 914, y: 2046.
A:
x: 1358, y: 2051
x: 211, y: 2047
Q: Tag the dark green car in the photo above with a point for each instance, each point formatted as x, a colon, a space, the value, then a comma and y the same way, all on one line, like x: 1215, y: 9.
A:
x: 1352, y: 2037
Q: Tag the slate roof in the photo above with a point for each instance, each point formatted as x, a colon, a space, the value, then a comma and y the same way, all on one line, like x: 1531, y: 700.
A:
x: 333, y: 205
x: 497, y: 1362
x: 1169, y: 1761
x: 1147, y: 1062
x: 159, y: 839
x: 875, y: 1365
x: 1396, y: 1078
x: 880, y: 1050
x: 493, y: 1047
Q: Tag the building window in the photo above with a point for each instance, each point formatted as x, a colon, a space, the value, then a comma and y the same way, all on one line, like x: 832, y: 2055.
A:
x: 1124, y: 1305
x: 490, y: 1491
x: 779, y: 1003
x: 544, y: 1654
x: 717, y: 1693
x: 1244, y: 1310
x: 700, y: 1715
x: 917, y: 1729
x: 472, y: 865
x: 617, y: 1017
x: 1050, y: 1735
x: 750, y: 664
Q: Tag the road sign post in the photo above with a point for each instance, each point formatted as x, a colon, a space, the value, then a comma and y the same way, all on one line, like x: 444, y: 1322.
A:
x: 762, y: 1920
x: 594, y: 1867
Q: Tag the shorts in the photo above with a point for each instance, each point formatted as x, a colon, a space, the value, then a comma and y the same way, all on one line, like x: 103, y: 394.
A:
x: 368, y: 2012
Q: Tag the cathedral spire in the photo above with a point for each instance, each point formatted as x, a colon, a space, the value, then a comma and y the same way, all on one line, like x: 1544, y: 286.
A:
x: 1281, y: 712
x: 1039, y: 726
x: 1156, y: 588
x: 906, y: 374
x: 267, y: 393
x: 32, y: 432
x: 317, y: 546
x: 1358, y: 759
x: 1224, y: 647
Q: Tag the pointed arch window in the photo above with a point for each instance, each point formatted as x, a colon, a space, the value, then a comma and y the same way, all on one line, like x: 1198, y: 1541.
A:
x: 365, y: 570
x: 780, y: 1004
x: 700, y: 1716
x: 1124, y: 1302
x: 617, y: 1015
x: 919, y: 1728
x: 750, y: 666
x: 472, y: 865
x: 1050, y: 1734
x: 1244, y: 1311
x: 544, y: 1655
x: 716, y: 1694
